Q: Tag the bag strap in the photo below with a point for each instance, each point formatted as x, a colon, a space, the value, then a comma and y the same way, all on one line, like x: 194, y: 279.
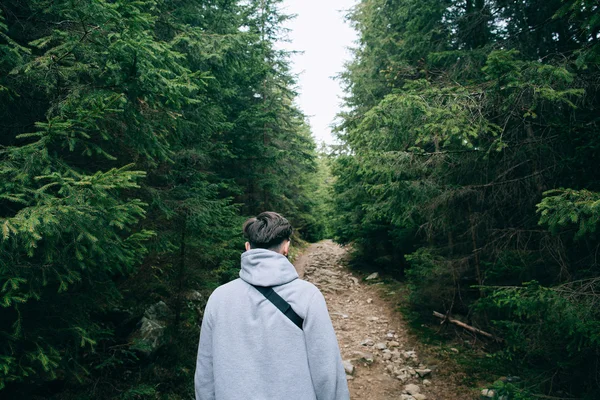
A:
x: 281, y: 304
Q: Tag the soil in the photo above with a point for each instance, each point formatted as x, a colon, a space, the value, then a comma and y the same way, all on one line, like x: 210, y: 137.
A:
x: 373, y: 336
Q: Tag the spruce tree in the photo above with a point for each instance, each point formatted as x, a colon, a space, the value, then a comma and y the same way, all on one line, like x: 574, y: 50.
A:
x: 464, y: 119
x: 135, y: 139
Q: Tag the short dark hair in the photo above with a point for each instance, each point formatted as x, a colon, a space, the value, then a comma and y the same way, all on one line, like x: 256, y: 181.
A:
x: 267, y: 231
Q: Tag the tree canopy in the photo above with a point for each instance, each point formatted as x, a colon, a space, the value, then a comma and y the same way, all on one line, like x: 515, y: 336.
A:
x: 135, y: 138
x: 468, y: 163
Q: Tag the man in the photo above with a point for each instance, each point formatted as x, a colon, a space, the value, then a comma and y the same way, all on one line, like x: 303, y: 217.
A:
x: 249, y: 349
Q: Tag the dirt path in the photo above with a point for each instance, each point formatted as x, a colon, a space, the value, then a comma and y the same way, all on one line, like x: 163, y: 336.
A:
x: 381, y: 359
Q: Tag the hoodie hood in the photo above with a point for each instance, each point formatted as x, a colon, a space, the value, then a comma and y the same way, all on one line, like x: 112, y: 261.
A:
x: 262, y: 267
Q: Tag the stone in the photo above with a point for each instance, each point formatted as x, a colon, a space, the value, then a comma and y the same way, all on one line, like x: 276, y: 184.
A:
x: 420, y: 396
x: 409, y: 354
x: 381, y: 346
x: 423, y: 372
x: 403, y: 374
x: 349, y: 377
x: 151, y: 333
x: 152, y: 328
x: 406, y: 397
x: 488, y: 393
x: 339, y: 314
x: 387, y: 355
x: 393, y: 343
x: 412, y: 389
x: 368, y: 357
x: 426, y: 382
x: 454, y: 350
x: 374, y: 275
x: 367, y: 342
x: 329, y: 272
x: 195, y: 295
x: 348, y: 367
x: 369, y: 301
x: 158, y: 311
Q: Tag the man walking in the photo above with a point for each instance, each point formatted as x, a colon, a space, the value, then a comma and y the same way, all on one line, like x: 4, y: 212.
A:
x: 268, y: 335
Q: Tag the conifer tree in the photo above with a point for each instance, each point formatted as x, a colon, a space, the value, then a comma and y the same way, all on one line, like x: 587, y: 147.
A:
x: 464, y: 119
x: 135, y: 138
x: 78, y: 93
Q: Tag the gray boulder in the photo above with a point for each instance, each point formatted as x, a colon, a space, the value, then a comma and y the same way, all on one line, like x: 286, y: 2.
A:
x: 158, y: 311
x: 151, y: 333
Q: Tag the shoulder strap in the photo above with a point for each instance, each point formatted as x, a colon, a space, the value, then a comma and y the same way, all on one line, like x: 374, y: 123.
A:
x: 281, y: 304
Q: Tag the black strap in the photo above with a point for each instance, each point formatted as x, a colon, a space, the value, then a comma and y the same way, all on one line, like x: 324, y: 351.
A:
x: 281, y: 304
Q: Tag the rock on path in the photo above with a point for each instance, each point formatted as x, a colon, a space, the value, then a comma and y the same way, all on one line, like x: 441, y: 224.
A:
x: 373, y: 341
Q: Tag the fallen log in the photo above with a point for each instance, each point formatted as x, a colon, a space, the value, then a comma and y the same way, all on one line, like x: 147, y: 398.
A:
x: 445, y: 318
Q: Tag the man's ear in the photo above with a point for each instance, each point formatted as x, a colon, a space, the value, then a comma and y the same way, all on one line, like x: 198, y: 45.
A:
x: 286, y: 247
x: 247, y: 246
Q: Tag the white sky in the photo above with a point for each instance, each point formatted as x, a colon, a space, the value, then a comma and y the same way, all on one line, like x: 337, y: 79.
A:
x: 320, y: 32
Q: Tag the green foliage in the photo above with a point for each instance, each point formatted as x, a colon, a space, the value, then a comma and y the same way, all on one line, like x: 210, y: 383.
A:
x: 135, y: 139
x: 429, y: 276
x: 140, y: 392
x: 562, y: 208
x: 462, y: 119
x: 512, y: 391
x: 553, y: 329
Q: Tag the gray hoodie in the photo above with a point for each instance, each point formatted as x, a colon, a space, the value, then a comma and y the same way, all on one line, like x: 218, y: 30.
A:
x: 249, y: 350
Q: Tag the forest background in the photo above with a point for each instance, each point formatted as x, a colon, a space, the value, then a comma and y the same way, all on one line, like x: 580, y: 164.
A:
x: 136, y: 136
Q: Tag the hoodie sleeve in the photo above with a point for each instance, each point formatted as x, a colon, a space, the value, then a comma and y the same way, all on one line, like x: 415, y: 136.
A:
x: 324, y: 359
x: 204, y: 383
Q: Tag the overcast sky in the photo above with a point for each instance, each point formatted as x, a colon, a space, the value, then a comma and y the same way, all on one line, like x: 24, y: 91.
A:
x: 320, y: 32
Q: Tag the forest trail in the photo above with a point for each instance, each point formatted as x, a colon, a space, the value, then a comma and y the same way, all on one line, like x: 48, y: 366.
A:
x: 373, y: 338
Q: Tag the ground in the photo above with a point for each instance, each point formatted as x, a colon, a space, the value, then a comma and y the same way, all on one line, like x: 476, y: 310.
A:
x: 382, y: 359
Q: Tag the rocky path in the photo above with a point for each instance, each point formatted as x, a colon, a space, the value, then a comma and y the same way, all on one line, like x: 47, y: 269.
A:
x: 379, y: 359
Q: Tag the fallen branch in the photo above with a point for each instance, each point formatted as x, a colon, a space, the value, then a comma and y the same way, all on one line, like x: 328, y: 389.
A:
x: 465, y: 326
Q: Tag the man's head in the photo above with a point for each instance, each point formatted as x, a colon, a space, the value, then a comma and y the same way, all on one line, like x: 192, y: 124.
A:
x: 268, y: 230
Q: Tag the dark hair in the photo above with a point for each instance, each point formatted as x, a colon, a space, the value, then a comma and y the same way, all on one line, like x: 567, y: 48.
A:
x: 267, y: 231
